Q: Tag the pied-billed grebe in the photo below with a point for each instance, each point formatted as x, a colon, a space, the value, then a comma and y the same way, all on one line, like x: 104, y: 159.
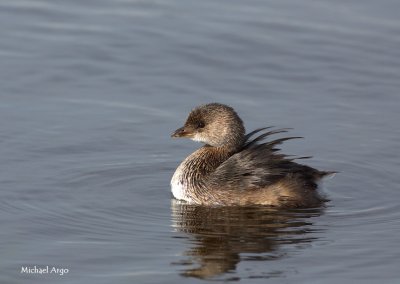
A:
x: 234, y: 168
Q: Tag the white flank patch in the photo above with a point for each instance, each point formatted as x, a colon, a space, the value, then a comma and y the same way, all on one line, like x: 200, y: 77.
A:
x: 178, y: 188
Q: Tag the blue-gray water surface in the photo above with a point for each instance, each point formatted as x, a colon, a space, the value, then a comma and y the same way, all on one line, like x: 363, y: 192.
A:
x: 91, y: 90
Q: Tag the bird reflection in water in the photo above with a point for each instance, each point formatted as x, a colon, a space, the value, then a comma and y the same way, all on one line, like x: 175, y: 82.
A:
x: 221, y: 237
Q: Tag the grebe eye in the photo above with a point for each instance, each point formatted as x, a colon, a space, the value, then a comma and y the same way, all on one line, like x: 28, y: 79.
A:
x: 200, y: 124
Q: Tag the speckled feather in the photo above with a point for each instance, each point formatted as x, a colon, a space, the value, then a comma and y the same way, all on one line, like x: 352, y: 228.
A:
x: 240, y: 169
x: 260, y: 164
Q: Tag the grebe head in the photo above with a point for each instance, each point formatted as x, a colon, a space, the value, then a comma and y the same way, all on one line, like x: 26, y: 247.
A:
x: 215, y: 124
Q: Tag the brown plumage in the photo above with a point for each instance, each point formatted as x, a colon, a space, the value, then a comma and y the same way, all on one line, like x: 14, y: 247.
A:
x: 237, y: 169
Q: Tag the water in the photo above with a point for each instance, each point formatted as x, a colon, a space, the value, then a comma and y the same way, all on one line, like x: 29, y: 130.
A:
x: 91, y: 90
